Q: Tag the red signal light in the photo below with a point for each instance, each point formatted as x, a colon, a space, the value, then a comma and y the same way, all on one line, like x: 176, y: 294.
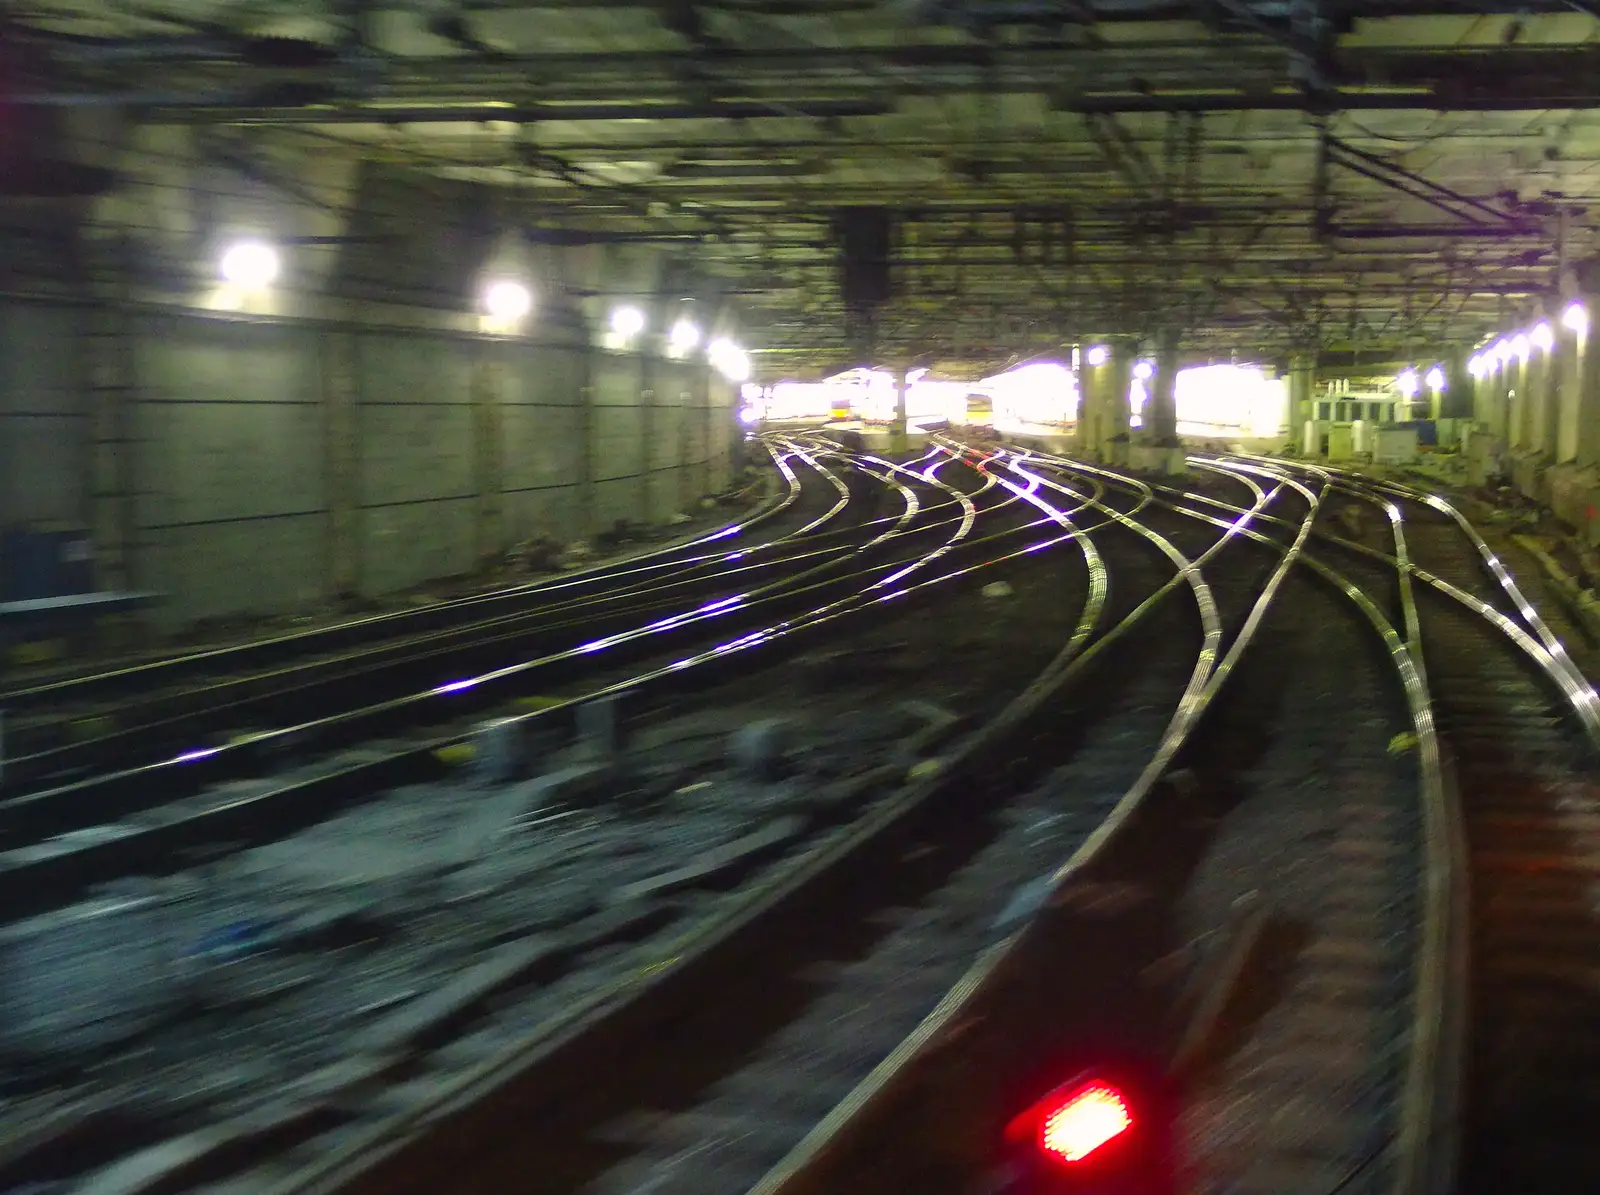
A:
x: 1075, y: 1121
x: 1089, y: 1117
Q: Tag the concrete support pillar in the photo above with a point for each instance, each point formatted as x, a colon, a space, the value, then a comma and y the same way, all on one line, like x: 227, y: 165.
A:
x: 648, y: 419
x: 1105, y: 377
x: 341, y: 429
x: 1572, y: 350
x: 1586, y: 387
x: 488, y: 457
x: 1494, y: 408
x: 1161, y: 411
x: 1302, y: 393
x: 1517, y: 422
x: 898, y: 438
x: 1458, y: 384
x: 588, y: 435
x: 1541, y: 403
x: 1083, y: 438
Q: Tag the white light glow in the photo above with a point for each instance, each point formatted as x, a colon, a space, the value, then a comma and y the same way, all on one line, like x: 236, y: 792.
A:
x: 1543, y: 338
x: 1098, y: 355
x: 731, y: 361
x: 1502, y: 351
x: 507, y: 300
x: 1229, y: 401
x: 250, y: 264
x: 1407, y: 382
x: 1041, y: 393
x: 749, y: 415
x: 1476, y: 366
x: 1144, y: 371
x: 685, y: 335
x: 1576, y: 319
x: 627, y: 322
x: 1435, y: 378
x: 1520, y: 347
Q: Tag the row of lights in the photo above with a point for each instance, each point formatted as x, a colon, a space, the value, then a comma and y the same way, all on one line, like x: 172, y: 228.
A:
x: 1520, y: 347
x: 254, y: 265
x: 1409, y: 384
x: 1099, y: 355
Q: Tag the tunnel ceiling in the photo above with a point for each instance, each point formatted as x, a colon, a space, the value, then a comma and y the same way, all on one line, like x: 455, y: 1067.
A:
x: 1278, y: 174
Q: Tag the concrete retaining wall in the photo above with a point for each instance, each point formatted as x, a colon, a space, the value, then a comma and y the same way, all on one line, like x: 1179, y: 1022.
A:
x: 275, y: 463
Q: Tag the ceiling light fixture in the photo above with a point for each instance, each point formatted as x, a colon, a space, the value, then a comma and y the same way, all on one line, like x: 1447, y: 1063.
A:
x: 250, y: 264
x: 507, y: 300
x: 627, y: 322
x: 1576, y: 319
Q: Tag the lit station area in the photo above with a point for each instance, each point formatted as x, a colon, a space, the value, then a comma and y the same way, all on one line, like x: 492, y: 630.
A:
x: 828, y: 597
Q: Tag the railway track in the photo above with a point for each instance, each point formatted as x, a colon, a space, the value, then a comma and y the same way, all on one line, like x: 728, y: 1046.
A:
x: 135, y: 715
x: 1257, y: 841
x: 1524, y: 753
x: 642, y: 803
x: 67, y: 836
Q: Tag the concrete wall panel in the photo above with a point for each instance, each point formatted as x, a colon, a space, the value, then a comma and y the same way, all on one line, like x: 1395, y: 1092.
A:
x: 211, y: 462
x: 415, y: 419
x: 619, y: 442
x: 615, y: 500
x: 238, y: 425
x: 223, y: 570
x: 44, y: 426
x: 407, y: 545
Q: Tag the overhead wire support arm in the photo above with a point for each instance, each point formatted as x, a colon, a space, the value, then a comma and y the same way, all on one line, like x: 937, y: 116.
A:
x: 1430, y: 192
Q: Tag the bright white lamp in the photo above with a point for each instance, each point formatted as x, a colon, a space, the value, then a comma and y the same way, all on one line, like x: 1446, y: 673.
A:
x: 250, y: 264
x: 1543, y: 338
x: 1576, y: 319
x: 507, y: 300
x: 1097, y: 355
x: 1435, y: 378
x: 627, y: 322
x: 685, y: 335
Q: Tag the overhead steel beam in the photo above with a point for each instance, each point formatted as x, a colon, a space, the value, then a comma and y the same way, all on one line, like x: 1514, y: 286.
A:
x: 170, y: 112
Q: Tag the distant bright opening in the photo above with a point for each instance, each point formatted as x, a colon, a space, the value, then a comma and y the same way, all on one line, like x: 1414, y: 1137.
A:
x: 507, y: 300
x: 250, y: 264
x: 1087, y: 1120
x: 1040, y: 393
x: 1230, y: 400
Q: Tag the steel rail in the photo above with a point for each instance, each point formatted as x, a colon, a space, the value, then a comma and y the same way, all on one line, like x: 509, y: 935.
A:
x: 803, y: 1171
x: 60, y: 689
x: 30, y: 872
x: 1426, y: 1143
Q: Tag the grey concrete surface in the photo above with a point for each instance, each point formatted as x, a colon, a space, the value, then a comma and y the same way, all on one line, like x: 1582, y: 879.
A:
x: 245, y: 500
